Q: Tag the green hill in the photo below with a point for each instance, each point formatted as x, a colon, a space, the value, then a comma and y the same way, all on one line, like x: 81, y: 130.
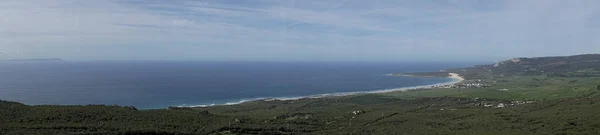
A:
x: 587, y: 65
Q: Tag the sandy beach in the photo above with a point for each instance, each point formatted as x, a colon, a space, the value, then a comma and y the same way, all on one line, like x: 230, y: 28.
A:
x: 456, y: 76
x: 456, y: 79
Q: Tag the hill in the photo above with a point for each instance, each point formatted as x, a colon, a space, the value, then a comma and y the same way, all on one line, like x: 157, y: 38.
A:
x: 361, y: 114
x: 587, y: 65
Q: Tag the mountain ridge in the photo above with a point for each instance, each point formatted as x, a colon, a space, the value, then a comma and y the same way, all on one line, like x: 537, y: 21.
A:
x: 39, y: 59
x: 583, y: 65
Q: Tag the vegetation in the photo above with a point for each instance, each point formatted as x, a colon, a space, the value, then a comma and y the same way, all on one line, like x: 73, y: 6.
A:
x: 516, y: 88
x: 377, y: 115
x: 587, y: 65
x: 516, y: 103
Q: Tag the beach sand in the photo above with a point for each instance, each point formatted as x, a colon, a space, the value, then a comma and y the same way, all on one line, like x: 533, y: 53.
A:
x: 456, y: 76
x: 456, y: 79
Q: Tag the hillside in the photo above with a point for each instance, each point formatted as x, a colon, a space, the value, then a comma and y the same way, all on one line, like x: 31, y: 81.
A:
x: 364, y: 114
x: 587, y: 65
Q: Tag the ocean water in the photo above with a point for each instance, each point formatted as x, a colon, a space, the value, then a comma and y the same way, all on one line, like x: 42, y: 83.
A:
x: 159, y: 84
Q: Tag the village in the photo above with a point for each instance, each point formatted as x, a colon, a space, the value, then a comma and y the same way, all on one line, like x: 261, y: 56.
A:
x: 465, y: 84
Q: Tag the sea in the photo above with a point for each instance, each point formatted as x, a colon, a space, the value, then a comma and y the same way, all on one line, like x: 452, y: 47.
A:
x: 160, y: 84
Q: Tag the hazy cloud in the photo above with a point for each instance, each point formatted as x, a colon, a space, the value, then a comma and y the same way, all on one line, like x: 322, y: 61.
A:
x: 297, y: 30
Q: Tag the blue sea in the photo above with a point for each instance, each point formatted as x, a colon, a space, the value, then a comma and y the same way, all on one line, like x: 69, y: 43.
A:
x: 159, y: 84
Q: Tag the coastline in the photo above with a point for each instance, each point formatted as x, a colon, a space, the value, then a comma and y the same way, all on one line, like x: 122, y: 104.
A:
x: 456, y: 78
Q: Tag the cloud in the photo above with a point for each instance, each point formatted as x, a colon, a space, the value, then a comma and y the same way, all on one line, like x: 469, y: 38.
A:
x: 297, y: 30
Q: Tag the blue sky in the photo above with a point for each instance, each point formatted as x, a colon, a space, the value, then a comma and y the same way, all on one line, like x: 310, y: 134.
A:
x: 305, y: 30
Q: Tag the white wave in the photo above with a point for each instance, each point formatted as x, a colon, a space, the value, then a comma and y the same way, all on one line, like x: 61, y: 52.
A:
x: 454, y: 81
x: 209, y: 105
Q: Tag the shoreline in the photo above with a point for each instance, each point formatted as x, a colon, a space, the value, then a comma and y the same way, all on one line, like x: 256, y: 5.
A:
x: 456, y: 78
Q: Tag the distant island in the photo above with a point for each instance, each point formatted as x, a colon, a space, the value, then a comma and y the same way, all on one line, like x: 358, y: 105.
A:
x: 42, y: 59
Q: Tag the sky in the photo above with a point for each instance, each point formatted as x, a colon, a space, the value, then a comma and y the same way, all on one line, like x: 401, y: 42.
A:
x: 298, y: 30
